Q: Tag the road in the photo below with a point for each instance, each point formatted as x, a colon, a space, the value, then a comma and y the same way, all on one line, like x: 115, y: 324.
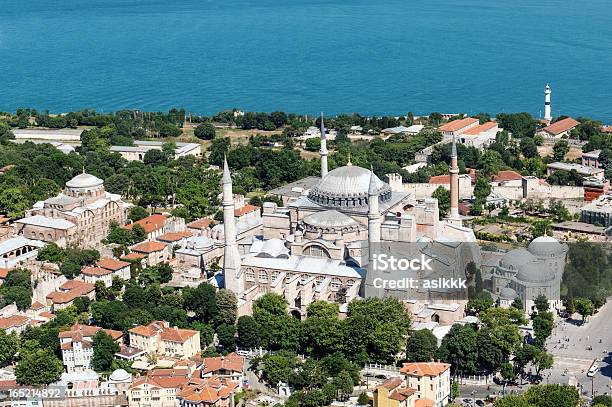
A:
x: 574, y: 356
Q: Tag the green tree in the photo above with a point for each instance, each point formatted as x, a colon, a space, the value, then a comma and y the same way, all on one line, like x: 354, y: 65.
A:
x: 443, y: 196
x: 205, y: 131
x: 9, y: 345
x: 363, y: 399
x: 51, y: 253
x: 529, y: 147
x: 344, y: 383
x: 248, y: 332
x: 517, y: 303
x: 422, y: 346
x: 37, y: 366
x: 227, y: 337
x: 459, y: 347
x: 602, y: 399
x: 104, y: 349
x: 556, y: 395
x: 13, y: 202
x: 543, y: 361
x: 560, y: 150
x: 137, y: 213
x: 584, y: 307
x: 227, y: 305
x: 511, y: 401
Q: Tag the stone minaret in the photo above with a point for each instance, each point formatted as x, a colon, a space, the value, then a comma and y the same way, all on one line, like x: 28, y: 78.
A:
x: 373, y: 212
x: 323, y: 150
x: 454, y: 184
x: 547, y: 112
x: 231, y: 257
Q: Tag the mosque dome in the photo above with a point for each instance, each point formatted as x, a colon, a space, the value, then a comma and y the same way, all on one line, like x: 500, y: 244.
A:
x: 514, y: 259
x: 546, y: 246
x: 507, y: 293
x: 330, y: 219
x: 535, y: 272
x: 347, y: 187
x: 120, y: 375
x: 84, y: 180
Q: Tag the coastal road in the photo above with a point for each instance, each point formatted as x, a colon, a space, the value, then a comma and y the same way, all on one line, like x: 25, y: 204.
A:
x: 574, y: 357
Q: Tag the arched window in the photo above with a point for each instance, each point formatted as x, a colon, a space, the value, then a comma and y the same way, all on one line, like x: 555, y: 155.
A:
x: 250, y: 275
x: 335, y: 284
x: 316, y: 251
x: 263, y: 276
x: 275, y: 275
x: 319, y: 280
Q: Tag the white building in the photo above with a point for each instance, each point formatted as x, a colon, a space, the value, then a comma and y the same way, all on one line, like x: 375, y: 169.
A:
x: 77, y: 346
x: 17, y: 250
x: 140, y: 148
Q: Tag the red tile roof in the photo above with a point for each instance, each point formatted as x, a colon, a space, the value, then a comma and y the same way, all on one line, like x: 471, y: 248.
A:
x: 150, y: 223
x: 424, y: 368
x: 607, y: 129
x: 245, y: 209
x: 423, y: 402
x: 202, y: 223
x: 112, y: 264
x: 231, y: 362
x: 207, y: 391
x: 561, y: 126
x: 165, y: 382
x: 474, y: 131
x: 3, y: 273
x: 507, y: 175
x: 177, y: 335
x: 95, y: 271
x: 133, y: 256
x: 149, y: 247
x: 13, y: 321
x: 458, y: 124
x: 174, y: 236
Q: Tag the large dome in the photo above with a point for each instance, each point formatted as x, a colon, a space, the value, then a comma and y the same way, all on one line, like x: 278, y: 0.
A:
x: 329, y: 220
x: 507, y: 293
x: 84, y: 181
x: 516, y: 258
x: 535, y: 272
x: 120, y: 375
x: 347, y: 187
x: 546, y: 246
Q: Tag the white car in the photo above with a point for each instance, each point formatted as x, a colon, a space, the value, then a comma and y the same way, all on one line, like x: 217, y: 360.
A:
x: 594, y: 368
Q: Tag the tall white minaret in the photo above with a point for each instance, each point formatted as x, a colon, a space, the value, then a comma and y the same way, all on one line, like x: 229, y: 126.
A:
x: 547, y: 112
x: 373, y: 212
x: 323, y: 150
x: 454, y: 184
x: 231, y: 257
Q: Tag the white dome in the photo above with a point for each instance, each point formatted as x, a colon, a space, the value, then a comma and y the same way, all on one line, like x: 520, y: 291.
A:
x: 347, y: 187
x: 120, y: 375
x: 516, y: 258
x: 329, y: 219
x: 199, y: 242
x: 507, y: 293
x: 546, y: 246
x: 535, y: 272
x: 84, y: 181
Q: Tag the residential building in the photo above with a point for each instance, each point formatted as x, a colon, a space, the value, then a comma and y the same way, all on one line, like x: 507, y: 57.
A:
x: 393, y: 392
x: 174, y: 238
x: 154, y: 252
x: 14, y: 323
x: 598, y: 212
x: 507, y: 178
x: 149, y: 391
x: 431, y: 380
x: 158, y: 338
x: 480, y: 136
x: 559, y: 129
x: 209, y: 392
x: 81, y: 215
x: 228, y: 367
x: 77, y: 346
x: 105, y: 270
x: 583, y: 170
x: 457, y: 127
x: 153, y: 225
x: 68, y: 292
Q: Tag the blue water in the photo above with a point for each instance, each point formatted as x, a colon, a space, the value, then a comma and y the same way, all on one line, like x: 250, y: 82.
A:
x: 368, y: 56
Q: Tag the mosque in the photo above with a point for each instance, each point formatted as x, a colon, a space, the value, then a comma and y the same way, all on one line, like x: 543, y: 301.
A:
x: 318, y: 246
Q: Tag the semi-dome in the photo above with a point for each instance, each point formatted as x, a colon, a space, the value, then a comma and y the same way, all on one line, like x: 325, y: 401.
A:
x: 84, y: 180
x: 120, y: 375
x: 199, y: 242
x: 545, y: 246
x: 516, y: 258
x: 330, y: 219
x: 507, y: 293
x: 347, y: 187
x: 535, y: 272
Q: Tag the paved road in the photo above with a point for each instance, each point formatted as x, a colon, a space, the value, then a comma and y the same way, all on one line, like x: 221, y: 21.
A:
x: 576, y: 358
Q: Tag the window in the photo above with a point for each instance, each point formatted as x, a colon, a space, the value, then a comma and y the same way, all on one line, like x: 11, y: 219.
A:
x: 250, y: 275
x: 263, y: 276
x: 336, y: 283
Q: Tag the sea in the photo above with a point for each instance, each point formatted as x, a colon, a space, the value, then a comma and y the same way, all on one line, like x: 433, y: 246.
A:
x: 374, y: 57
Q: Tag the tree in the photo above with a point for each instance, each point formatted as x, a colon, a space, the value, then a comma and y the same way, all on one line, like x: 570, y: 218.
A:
x: 104, y: 349
x: 169, y: 130
x: 517, y: 303
x: 51, y: 253
x: 542, y: 361
x: 482, y: 189
x: 443, y: 196
x: 226, y: 334
x: 344, y: 383
x: 459, y: 347
x: 455, y: 390
x: 313, y: 144
x: 507, y: 372
x: 37, y: 366
x: 248, y: 332
x: 602, y: 399
x: 560, y: 150
x: 205, y: 131
x: 155, y: 157
x: 13, y: 202
x: 529, y: 147
x: 227, y: 305
x: 9, y: 345
x: 203, y: 301
x: 422, y: 346
x: 137, y: 213
x: 330, y: 392
x: 556, y: 395
x: 277, y: 368
x: 541, y: 228
x: 584, y: 307
x: 363, y: 399
x: 511, y: 401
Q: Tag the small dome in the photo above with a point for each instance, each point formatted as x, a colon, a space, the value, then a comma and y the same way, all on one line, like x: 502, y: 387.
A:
x: 348, y: 187
x: 199, y: 242
x: 84, y: 181
x: 120, y: 375
x: 507, y: 293
x: 546, y: 246
x: 329, y: 219
x: 516, y: 258
x: 274, y: 248
x: 535, y: 272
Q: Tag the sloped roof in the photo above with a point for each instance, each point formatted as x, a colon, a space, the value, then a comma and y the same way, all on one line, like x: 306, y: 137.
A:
x: 202, y: 223
x: 507, y: 175
x: 150, y: 223
x: 112, y: 264
x: 232, y: 362
x: 424, y: 368
x: 458, y: 124
x: 245, y: 209
x: 561, y: 126
x: 13, y: 321
x: 149, y: 247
